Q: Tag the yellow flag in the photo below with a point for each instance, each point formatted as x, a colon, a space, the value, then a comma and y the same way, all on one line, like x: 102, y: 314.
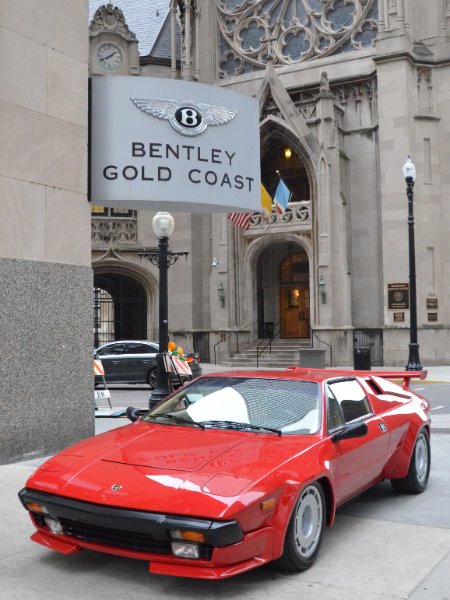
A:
x: 266, y: 203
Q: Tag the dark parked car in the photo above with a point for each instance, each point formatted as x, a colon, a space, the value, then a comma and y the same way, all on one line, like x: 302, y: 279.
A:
x: 134, y: 361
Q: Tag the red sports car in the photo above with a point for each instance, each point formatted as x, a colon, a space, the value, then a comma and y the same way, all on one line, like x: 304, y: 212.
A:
x: 234, y: 470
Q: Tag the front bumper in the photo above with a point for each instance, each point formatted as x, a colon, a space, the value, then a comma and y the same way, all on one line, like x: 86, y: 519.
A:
x: 147, y: 536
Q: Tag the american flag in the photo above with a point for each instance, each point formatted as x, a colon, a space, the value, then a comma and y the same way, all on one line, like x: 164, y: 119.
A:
x: 240, y: 219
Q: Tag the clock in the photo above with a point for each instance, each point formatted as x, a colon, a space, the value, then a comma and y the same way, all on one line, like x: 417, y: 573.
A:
x: 109, y: 56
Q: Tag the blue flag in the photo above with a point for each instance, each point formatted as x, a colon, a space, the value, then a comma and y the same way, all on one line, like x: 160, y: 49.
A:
x: 282, y: 196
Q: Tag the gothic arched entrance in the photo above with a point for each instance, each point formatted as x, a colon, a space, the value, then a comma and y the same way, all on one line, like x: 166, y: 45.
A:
x: 283, y: 297
x: 120, y: 308
x: 294, y: 296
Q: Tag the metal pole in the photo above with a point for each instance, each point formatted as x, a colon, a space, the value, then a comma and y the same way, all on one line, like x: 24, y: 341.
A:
x: 162, y: 385
x: 413, y: 359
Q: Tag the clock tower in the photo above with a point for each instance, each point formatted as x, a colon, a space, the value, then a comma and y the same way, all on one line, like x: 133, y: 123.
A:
x: 113, y: 47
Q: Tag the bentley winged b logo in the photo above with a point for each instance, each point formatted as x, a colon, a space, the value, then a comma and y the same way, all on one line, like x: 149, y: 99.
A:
x: 186, y: 117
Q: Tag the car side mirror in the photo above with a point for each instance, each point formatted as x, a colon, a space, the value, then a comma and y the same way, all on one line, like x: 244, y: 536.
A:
x: 132, y: 413
x: 354, y: 430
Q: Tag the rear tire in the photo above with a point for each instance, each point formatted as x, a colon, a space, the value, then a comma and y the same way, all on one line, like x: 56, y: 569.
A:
x: 416, y: 480
x: 305, y: 530
x: 152, y: 377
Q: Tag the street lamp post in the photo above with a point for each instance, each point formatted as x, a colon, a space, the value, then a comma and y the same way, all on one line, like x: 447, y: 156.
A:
x: 409, y: 173
x: 163, y: 225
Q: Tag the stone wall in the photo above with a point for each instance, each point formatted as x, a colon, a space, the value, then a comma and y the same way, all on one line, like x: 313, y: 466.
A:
x: 46, y: 382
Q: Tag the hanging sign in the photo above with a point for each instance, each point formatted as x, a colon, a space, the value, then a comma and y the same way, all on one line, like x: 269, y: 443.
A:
x: 173, y: 145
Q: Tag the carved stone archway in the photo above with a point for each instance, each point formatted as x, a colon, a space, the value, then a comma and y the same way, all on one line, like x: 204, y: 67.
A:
x: 114, y: 274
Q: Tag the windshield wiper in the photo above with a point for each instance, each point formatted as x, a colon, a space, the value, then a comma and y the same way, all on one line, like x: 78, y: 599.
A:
x: 241, y: 426
x: 175, y: 418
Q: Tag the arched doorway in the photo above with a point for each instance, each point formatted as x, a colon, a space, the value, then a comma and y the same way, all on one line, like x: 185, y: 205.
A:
x: 120, y: 308
x: 283, y: 299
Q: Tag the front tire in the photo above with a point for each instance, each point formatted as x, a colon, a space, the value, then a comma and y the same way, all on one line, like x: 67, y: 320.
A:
x: 305, y: 530
x: 416, y: 480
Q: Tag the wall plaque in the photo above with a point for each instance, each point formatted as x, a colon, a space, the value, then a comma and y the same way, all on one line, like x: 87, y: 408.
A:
x: 399, y: 317
x: 398, y: 296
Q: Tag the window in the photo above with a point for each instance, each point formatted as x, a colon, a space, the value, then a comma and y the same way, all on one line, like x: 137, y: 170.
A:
x: 335, y: 418
x: 346, y: 398
x: 112, y: 349
x: 139, y: 349
x: 102, y: 211
x: 290, y: 406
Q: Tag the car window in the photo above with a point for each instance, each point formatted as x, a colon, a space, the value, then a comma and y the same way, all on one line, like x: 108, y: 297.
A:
x: 290, y: 406
x: 349, y: 396
x: 335, y: 418
x: 138, y: 349
x: 112, y: 349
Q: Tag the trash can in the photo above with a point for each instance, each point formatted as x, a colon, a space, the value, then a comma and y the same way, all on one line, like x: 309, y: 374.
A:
x: 312, y: 358
x: 361, y: 358
x: 268, y: 329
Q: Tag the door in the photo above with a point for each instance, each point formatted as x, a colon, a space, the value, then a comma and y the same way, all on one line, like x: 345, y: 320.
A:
x: 294, y: 310
x: 359, y: 461
x: 137, y: 361
x: 111, y: 359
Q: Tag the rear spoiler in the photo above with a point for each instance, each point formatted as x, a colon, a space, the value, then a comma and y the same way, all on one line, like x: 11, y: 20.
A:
x: 406, y: 376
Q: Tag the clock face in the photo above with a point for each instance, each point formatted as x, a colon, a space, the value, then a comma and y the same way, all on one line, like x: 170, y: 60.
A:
x: 109, y: 56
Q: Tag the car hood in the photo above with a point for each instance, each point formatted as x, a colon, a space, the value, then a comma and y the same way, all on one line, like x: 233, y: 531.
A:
x: 166, y: 468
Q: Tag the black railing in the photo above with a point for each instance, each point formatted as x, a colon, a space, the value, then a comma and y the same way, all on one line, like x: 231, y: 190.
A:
x: 228, y: 337
x: 266, y: 342
x: 373, y: 339
x: 314, y: 335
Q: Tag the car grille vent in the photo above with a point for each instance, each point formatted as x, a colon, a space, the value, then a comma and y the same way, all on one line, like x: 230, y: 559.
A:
x: 128, y: 540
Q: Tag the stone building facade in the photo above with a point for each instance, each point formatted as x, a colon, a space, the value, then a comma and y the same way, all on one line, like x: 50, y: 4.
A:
x: 348, y: 89
x: 45, y: 262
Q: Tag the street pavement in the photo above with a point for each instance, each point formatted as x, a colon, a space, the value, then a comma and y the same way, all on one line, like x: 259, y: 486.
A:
x: 382, y: 546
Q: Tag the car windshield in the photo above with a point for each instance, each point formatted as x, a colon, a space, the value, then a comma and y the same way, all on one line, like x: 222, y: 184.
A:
x: 262, y: 405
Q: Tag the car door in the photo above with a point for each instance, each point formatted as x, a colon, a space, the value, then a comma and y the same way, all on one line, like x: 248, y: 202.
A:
x: 359, y: 461
x: 110, y: 355
x: 139, y: 358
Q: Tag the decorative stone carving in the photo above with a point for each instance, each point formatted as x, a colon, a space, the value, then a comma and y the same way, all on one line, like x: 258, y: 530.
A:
x: 109, y: 18
x: 113, y: 230
x: 297, y: 213
x: 324, y: 83
x: 291, y: 31
x: 425, y: 90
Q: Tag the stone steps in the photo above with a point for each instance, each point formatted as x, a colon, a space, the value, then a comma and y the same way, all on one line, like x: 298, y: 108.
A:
x: 283, y: 354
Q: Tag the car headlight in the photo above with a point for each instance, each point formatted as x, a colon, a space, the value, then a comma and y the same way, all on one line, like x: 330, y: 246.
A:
x: 54, y: 525
x: 36, y: 507
x: 189, y: 536
x: 185, y: 550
